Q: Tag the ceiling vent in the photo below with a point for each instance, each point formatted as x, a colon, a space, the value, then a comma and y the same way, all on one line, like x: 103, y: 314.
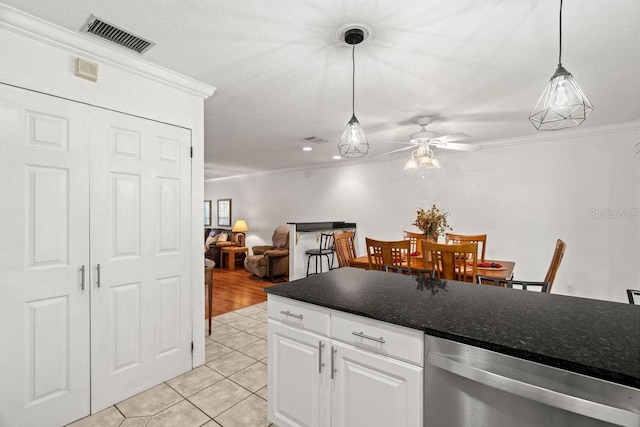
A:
x: 104, y: 30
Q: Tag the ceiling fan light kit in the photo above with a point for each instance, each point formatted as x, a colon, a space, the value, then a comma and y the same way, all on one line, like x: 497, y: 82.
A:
x: 422, y: 158
x: 562, y: 104
x: 353, y: 142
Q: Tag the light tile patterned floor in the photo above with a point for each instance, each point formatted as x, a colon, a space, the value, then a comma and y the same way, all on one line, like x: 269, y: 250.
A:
x: 230, y: 390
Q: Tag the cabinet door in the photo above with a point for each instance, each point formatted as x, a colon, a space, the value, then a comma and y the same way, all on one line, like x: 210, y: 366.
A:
x: 44, y: 244
x: 140, y: 224
x: 299, y: 375
x: 373, y: 390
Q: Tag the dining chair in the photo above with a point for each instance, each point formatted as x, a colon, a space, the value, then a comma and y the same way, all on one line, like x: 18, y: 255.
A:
x: 381, y: 253
x: 545, y: 285
x: 417, y: 272
x: 414, y: 238
x: 344, y: 245
x: 452, y: 262
x: 325, y: 250
x: 634, y: 296
x: 457, y: 239
x: 558, y: 254
x: 514, y: 284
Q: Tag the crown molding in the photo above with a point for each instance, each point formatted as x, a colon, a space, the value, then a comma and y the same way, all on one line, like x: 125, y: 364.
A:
x: 38, y: 29
x: 632, y: 126
x: 551, y: 136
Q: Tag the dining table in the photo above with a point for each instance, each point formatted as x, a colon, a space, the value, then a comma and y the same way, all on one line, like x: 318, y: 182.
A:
x: 497, y: 269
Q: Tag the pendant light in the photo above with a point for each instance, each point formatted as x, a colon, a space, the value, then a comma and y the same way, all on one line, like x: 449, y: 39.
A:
x: 353, y: 142
x: 562, y: 104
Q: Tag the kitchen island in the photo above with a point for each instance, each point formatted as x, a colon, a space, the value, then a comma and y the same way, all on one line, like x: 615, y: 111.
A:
x: 593, y: 338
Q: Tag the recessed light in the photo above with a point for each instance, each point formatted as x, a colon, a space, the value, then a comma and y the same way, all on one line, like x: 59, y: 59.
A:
x: 336, y: 157
x: 307, y: 148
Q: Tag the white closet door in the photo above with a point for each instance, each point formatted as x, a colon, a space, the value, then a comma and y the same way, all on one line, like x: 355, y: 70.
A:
x: 44, y: 243
x: 140, y: 214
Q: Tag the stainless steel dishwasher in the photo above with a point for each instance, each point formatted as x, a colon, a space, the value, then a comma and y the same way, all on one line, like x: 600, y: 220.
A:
x: 470, y: 386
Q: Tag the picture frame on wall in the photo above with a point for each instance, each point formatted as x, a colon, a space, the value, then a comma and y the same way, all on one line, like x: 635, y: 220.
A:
x: 224, y: 212
x: 207, y: 213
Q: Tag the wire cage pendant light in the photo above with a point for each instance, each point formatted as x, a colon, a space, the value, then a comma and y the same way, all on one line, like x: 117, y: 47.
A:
x: 562, y: 104
x: 353, y: 142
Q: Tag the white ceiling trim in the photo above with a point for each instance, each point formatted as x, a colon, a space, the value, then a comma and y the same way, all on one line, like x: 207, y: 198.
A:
x: 43, y: 31
x: 563, y: 135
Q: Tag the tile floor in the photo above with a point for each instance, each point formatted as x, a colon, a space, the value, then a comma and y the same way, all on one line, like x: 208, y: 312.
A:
x: 230, y: 390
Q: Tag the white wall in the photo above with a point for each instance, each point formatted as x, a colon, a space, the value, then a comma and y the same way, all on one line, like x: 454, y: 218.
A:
x: 578, y: 185
x: 39, y: 56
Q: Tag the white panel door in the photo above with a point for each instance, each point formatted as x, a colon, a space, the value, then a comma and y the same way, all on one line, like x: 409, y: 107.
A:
x: 299, y: 376
x: 140, y: 255
x: 373, y: 390
x: 44, y: 245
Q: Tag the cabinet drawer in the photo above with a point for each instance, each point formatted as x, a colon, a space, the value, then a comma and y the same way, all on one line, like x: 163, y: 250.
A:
x: 390, y: 340
x: 299, y: 314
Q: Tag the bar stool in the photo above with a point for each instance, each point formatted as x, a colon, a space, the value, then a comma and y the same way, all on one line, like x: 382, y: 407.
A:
x: 326, y: 249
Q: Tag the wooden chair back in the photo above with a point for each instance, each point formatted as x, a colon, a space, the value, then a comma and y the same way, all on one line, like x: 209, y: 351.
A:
x: 414, y: 238
x: 458, y: 239
x: 452, y: 262
x: 514, y: 284
x: 394, y: 253
x: 558, y: 253
x: 344, y: 245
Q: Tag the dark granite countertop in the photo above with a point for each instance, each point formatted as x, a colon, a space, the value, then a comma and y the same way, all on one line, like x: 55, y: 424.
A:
x: 596, y: 338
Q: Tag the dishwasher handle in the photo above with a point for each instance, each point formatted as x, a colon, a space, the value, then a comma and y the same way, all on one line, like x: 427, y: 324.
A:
x: 533, y: 392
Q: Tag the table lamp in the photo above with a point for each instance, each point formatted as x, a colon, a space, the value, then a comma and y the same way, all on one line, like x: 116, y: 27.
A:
x: 240, y: 227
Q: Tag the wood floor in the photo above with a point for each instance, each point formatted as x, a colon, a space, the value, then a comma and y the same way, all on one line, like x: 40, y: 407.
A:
x: 236, y: 289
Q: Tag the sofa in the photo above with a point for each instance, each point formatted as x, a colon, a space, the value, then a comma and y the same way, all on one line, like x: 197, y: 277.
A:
x: 271, y: 261
x: 215, y: 240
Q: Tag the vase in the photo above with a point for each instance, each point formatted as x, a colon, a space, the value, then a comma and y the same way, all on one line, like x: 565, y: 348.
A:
x: 428, y: 261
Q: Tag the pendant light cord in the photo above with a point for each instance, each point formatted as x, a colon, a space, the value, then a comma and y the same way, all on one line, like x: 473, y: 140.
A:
x: 353, y: 80
x: 560, y: 50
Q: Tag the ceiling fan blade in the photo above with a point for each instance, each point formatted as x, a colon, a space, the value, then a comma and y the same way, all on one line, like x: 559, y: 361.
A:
x: 455, y: 146
x: 452, y: 137
x: 395, y: 151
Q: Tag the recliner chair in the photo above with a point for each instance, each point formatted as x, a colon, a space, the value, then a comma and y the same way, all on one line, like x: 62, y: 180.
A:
x: 272, y: 260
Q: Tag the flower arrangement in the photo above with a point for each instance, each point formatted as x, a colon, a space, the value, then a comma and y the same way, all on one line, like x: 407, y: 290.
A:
x: 432, y: 222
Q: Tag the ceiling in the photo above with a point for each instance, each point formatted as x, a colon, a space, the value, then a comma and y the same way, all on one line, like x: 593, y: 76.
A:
x: 282, y: 74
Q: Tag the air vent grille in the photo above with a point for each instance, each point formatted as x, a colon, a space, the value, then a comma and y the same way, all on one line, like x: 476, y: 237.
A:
x: 103, y: 29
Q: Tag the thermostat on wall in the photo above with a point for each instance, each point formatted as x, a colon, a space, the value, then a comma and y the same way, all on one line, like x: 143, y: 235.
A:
x: 86, y: 69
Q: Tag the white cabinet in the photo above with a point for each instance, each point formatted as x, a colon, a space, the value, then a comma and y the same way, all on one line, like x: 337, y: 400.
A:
x: 94, y: 264
x: 299, y: 365
x: 328, y: 368
x: 298, y: 377
x: 374, y: 390
x: 378, y: 373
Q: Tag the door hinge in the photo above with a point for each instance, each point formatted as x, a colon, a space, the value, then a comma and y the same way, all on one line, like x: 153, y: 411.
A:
x: 192, y: 152
x: 192, y: 347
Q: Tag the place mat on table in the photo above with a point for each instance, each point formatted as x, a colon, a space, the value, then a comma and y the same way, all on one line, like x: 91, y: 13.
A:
x: 488, y: 266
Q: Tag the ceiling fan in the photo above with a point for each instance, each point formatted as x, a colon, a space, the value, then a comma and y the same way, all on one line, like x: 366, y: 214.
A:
x: 421, y: 143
